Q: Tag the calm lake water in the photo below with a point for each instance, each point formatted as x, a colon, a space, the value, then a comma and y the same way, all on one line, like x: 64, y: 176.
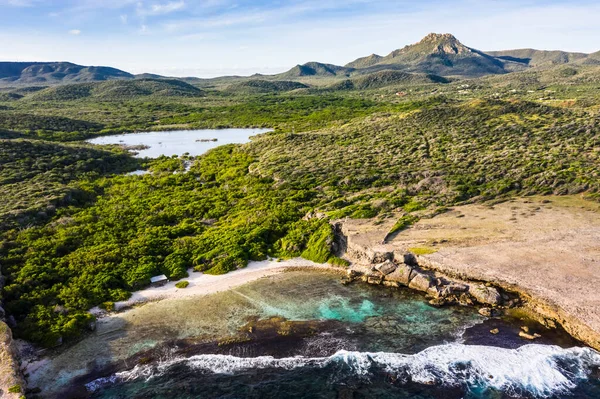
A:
x: 179, y: 142
x: 304, y: 335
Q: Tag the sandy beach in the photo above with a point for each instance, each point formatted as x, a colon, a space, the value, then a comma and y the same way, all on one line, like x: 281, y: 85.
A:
x: 204, y: 284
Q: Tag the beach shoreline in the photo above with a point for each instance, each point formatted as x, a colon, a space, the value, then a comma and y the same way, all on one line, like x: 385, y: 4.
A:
x: 201, y: 284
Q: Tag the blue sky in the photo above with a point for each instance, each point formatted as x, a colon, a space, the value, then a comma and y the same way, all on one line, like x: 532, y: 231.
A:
x: 217, y: 37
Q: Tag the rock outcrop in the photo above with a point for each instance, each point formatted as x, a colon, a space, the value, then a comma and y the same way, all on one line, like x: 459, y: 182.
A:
x: 374, y: 263
x: 12, y: 384
x: 386, y: 267
x: 485, y: 295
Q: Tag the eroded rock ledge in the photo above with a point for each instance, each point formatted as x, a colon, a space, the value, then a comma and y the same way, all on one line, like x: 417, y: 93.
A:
x: 406, y: 271
x: 537, y: 254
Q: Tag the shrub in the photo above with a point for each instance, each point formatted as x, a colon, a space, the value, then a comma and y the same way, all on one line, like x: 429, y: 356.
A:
x: 108, y: 306
x: 336, y: 261
x: 182, y: 284
x: 319, y: 245
x: 404, y: 222
x: 422, y: 250
x: 15, y: 389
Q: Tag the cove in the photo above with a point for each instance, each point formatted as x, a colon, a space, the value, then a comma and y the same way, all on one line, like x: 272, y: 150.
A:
x: 303, y: 331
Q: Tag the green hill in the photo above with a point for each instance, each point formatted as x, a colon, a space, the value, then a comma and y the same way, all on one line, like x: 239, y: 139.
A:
x: 592, y: 59
x: 117, y: 90
x: 265, y: 86
x: 365, y: 62
x: 386, y: 78
x: 567, y: 76
x: 40, y: 73
x: 316, y: 69
x: 534, y: 58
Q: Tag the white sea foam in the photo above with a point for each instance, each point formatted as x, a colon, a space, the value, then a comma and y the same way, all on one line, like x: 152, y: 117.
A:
x: 539, y: 370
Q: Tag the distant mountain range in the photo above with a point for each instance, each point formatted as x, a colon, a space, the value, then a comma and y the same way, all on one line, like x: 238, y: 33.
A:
x: 56, y: 72
x: 434, y: 58
x: 444, y: 55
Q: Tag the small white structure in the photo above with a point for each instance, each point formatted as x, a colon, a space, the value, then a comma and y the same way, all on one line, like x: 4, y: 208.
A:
x: 159, y: 281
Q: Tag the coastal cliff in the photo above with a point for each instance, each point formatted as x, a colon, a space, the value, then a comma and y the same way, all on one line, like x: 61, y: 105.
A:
x: 536, y: 256
x: 12, y: 384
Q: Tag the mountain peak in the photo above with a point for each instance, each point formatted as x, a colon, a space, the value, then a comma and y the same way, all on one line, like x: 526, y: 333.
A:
x: 440, y: 43
x: 439, y: 37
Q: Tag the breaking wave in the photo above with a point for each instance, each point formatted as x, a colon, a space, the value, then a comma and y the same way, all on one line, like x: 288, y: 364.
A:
x: 533, y: 370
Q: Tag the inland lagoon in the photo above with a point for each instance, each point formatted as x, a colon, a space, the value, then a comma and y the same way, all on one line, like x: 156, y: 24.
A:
x: 178, y: 142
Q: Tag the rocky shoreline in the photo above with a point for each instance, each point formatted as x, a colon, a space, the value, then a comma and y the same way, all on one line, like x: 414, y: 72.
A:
x: 12, y: 383
x: 381, y: 264
x: 440, y: 289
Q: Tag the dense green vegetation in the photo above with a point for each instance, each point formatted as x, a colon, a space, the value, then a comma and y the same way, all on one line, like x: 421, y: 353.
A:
x: 76, y: 232
x: 36, y: 177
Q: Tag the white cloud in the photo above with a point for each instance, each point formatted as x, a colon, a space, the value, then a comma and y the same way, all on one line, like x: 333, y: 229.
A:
x: 17, y: 3
x: 123, y: 18
x: 160, y: 9
x: 75, y: 32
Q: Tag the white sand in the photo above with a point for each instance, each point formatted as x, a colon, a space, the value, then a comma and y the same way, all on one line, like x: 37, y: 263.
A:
x: 204, y: 284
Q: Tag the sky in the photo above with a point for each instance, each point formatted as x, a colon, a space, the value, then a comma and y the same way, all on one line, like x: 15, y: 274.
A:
x: 208, y: 38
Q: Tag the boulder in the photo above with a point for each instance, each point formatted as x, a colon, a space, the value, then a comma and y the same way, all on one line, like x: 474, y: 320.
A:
x: 392, y: 284
x: 401, y: 275
x: 465, y: 300
x: 485, y: 295
x: 434, y: 292
x: 375, y: 256
x: 410, y: 259
x: 352, y: 274
x: 454, y: 289
x: 489, y: 312
x: 386, y: 267
x: 528, y: 336
x: 374, y: 279
x: 438, y: 302
x: 419, y: 281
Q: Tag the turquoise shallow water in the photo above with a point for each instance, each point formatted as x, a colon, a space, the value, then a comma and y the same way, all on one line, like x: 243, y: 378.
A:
x: 361, y: 341
x: 341, y: 310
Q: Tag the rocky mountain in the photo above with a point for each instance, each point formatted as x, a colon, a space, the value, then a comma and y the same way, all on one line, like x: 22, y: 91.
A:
x: 435, y: 56
x: 438, y: 54
x: 49, y: 73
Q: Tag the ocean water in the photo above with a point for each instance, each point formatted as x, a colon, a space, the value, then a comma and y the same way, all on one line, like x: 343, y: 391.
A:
x: 179, y: 142
x: 304, y: 335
